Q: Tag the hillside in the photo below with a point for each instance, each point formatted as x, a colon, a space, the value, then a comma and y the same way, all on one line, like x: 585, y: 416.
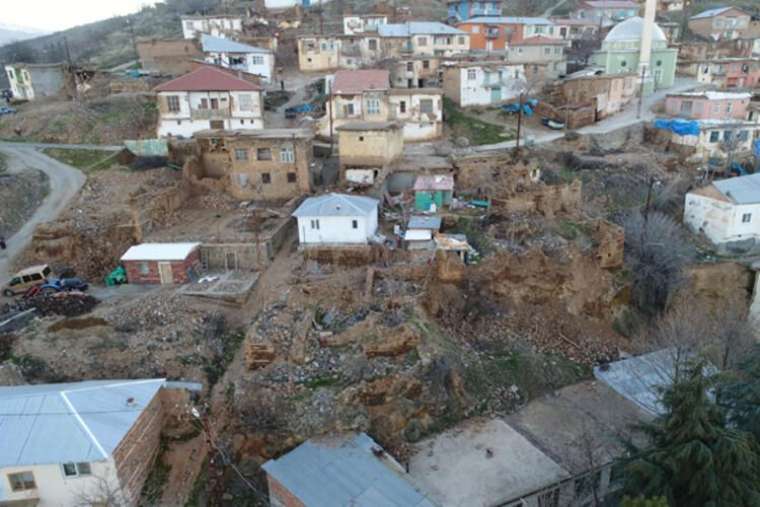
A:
x: 10, y: 33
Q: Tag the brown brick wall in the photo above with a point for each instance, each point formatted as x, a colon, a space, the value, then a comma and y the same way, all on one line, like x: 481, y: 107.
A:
x: 179, y: 270
x: 173, y: 57
x: 136, y: 453
x: 280, y: 496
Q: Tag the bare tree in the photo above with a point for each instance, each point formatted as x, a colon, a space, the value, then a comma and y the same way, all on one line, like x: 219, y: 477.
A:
x: 99, y: 490
x: 656, y: 253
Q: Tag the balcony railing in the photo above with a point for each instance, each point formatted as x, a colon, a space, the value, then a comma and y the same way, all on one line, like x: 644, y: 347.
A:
x: 210, y: 114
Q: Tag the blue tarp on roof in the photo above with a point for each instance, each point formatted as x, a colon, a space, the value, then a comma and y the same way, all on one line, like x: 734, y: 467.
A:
x: 680, y: 127
x: 756, y: 148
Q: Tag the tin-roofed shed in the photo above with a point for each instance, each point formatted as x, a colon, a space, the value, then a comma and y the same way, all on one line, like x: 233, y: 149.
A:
x: 431, y: 192
x: 164, y: 263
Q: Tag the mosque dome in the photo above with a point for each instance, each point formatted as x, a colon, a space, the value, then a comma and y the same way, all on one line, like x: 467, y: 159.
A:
x: 630, y: 31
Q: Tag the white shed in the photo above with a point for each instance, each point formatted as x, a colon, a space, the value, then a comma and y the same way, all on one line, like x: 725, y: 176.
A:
x: 337, y: 219
x: 727, y: 211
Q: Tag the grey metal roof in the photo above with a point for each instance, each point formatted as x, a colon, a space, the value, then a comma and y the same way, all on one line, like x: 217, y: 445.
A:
x: 711, y: 12
x: 509, y: 20
x: 424, y: 222
x: 343, y: 471
x: 337, y: 205
x: 61, y: 423
x: 213, y: 44
x: 742, y: 189
x: 416, y: 28
x: 640, y: 378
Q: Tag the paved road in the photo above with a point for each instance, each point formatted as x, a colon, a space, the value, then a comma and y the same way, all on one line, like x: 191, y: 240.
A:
x: 65, y: 182
x: 548, y: 12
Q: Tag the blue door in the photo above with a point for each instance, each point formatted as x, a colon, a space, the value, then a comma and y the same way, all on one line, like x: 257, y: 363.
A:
x: 495, y: 94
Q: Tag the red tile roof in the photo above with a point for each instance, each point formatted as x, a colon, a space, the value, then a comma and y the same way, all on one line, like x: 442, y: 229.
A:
x: 357, y: 81
x: 207, y: 79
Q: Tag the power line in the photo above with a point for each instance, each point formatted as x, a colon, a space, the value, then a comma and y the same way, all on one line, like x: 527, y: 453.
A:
x: 91, y: 412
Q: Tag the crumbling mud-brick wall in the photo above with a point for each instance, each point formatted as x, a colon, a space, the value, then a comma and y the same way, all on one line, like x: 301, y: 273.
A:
x: 495, y: 173
x: 548, y: 200
x: 610, y: 240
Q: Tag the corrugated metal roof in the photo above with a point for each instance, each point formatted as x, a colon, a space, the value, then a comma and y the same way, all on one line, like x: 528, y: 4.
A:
x: 424, y: 222
x: 611, y: 4
x: 509, y: 20
x: 343, y: 471
x: 159, y: 251
x: 434, y: 182
x: 742, y: 189
x: 213, y: 44
x: 711, y: 12
x: 337, y: 205
x: 416, y: 28
x: 73, y: 422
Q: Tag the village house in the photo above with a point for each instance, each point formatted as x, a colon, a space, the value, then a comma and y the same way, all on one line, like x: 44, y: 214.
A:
x: 702, y: 50
x: 287, y: 4
x: 730, y: 72
x: 33, y: 81
x: 237, y: 56
x: 366, y: 95
x: 433, y: 191
x: 544, y: 51
x: 420, y: 231
x: 720, y: 23
x: 328, y: 52
x: 80, y: 443
x: 422, y: 38
x: 162, y: 263
x: 362, y: 23
x: 208, y: 98
x: 413, y: 71
x: 709, y: 105
x: 340, y: 471
x: 218, y: 26
x: 671, y: 5
x: 497, y: 33
x: 572, y: 29
x: 726, y: 211
x: 606, y: 12
x: 460, y: 10
x: 265, y: 165
x: 584, y: 99
x: 337, y: 219
x: 367, y: 150
x: 715, y: 138
x: 483, y: 83
x: 172, y: 57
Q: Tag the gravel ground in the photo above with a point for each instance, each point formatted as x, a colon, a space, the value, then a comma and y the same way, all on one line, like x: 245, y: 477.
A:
x: 20, y: 195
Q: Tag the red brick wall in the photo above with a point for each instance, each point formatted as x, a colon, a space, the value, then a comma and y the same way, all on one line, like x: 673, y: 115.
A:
x: 179, y: 269
x: 280, y: 496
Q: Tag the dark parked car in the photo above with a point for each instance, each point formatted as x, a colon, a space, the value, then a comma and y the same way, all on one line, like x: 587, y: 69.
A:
x: 6, y: 110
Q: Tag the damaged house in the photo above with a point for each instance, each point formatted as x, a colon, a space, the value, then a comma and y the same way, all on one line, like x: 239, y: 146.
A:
x: 267, y: 165
x: 218, y: 26
x: 172, y: 57
x: 208, y: 98
x: 367, y: 150
x: 32, y: 81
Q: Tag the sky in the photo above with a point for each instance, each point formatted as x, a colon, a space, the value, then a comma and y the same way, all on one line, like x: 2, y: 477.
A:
x: 54, y: 15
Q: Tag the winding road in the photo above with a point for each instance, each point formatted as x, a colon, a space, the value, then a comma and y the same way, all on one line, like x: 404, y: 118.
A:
x: 65, y: 182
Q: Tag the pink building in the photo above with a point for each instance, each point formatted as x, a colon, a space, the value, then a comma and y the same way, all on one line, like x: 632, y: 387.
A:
x: 730, y: 72
x: 709, y: 105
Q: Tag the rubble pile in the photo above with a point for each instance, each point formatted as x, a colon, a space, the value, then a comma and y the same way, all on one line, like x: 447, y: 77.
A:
x: 67, y: 304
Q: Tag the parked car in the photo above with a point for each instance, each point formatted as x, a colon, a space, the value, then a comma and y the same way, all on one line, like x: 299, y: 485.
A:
x: 66, y: 284
x: 293, y: 112
x: 552, y: 124
x: 27, y: 278
x: 6, y: 110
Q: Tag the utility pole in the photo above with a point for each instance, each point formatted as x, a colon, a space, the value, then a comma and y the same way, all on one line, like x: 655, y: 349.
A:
x: 519, y: 122
x: 641, y: 92
x: 132, y: 35
x: 330, y: 112
x: 68, y: 53
x: 321, y: 19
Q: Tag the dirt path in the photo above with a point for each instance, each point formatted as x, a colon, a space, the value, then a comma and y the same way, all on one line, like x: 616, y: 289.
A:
x: 65, y: 182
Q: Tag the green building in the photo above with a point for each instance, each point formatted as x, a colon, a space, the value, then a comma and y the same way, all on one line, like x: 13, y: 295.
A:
x: 621, y: 50
x: 432, y: 192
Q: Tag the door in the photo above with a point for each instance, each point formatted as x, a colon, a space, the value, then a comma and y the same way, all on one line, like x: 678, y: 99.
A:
x: 216, y: 124
x: 495, y: 94
x: 231, y: 261
x: 489, y: 45
x: 165, y: 273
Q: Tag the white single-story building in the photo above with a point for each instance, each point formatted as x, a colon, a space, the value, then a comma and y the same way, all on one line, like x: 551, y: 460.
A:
x: 238, y: 56
x: 420, y: 230
x: 337, y: 219
x: 726, y: 211
x: 80, y: 443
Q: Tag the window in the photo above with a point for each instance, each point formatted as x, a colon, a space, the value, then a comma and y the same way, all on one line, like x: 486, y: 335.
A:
x: 402, y: 107
x: 547, y: 51
x: 425, y: 64
x: 716, y: 107
x: 144, y: 268
x: 557, y: 51
x: 476, y: 29
x: 472, y: 74
x: 263, y: 154
x: 354, y: 224
x: 214, y: 103
x: 348, y: 110
x: 426, y: 105
x: 241, y: 154
x: 746, y: 218
x: 728, y: 136
x: 422, y: 41
x: 714, y: 136
x: 686, y: 106
x: 410, y: 66
x: 257, y: 60
x: 729, y: 107
x: 743, y: 135
x: 76, y: 469
x: 623, y: 63
x: 461, y: 40
x: 372, y: 44
x: 292, y: 178
x: 315, y: 224
x: 172, y: 103
x: 189, y: 25
x: 266, y: 178
x: 216, y: 124
x: 287, y: 155
x: 22, y: 481
x: 373, y: 106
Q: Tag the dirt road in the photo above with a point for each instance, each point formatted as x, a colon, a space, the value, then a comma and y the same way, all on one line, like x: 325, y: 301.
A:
x: 65, y: 182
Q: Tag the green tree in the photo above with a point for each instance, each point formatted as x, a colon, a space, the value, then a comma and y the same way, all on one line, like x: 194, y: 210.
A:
x: 739, y: 394
x: 694, y: 457
x: 641, y: 501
